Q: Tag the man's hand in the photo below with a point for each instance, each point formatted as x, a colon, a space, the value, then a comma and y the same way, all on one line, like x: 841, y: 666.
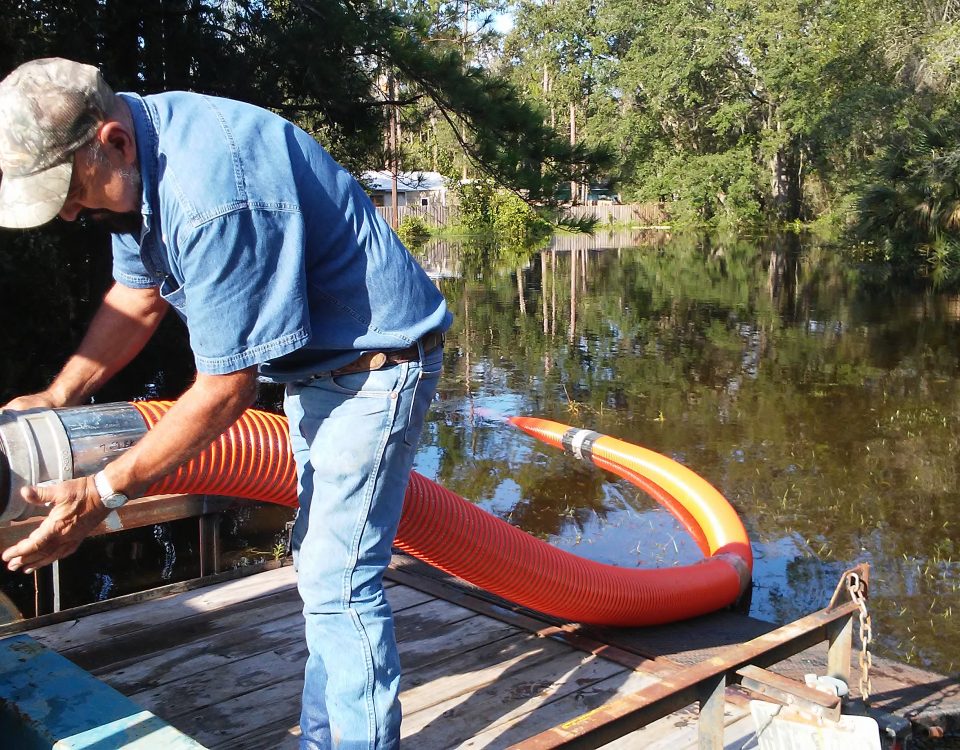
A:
x: 210, y: 406
x: 31, y: 401
x: 76, y: 511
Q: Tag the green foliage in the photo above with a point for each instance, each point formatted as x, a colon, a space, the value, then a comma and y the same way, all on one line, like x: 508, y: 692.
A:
x: 322, y: 64
x: 515, y: 220
x: 721, y: 189
x: 488, y: 210
x: 910, y: 212
x: 413, y: 231
x: 734, y: 111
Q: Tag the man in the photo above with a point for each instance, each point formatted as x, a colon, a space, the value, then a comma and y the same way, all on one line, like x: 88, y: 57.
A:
x: 279, y: 265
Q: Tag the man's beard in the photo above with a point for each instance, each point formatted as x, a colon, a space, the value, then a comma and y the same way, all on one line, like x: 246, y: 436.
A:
x: 118, y: 222
x: 115, y: 222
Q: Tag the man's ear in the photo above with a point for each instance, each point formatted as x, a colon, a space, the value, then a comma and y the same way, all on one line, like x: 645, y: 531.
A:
x: 118, y: 140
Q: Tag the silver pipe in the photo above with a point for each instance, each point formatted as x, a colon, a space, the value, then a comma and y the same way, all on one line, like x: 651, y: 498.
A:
x: 98, y: 434
x: 40, y: 446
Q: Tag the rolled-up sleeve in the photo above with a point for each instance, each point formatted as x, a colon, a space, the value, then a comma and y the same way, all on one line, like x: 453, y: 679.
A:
x: 128, y: 268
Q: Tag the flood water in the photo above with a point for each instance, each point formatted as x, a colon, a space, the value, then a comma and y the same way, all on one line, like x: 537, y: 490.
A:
x: 821, y: 399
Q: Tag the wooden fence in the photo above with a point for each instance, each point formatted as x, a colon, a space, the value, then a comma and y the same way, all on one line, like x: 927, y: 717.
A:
x: 644, y: 214
x: 440, y: 257
x: 439, y: 216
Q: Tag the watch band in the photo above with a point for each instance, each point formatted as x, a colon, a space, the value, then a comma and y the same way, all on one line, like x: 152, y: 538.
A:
x: 102, y: 484
x: 108, y: 496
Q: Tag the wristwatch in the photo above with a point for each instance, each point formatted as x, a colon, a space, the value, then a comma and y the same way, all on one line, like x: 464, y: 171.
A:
x: 108, y: 496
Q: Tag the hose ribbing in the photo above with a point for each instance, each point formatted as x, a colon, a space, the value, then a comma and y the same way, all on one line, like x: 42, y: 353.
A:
x: 253, y: 460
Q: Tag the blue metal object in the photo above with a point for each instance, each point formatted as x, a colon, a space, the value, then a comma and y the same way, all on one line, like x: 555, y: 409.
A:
x: 47, y: 700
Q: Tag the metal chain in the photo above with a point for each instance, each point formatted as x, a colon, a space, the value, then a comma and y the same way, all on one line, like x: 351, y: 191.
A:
x: 858, y: 593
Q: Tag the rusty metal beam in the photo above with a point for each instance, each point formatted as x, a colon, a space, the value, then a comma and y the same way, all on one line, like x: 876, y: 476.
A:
x: 144, y: 511
x: 624, y: 715
x: 790, y: 692
x: 840, y: 648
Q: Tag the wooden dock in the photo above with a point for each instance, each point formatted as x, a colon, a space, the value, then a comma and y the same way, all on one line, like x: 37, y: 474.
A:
x: 224, y: 663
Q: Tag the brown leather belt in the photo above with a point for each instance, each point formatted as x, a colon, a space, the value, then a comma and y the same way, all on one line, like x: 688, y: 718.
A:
x: 369, y: 361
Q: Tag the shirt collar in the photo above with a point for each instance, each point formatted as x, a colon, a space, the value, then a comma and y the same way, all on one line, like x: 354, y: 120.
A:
x: 147, y: 150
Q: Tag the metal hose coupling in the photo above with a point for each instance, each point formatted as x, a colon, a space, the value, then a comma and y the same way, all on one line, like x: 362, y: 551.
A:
x: 40, y: 446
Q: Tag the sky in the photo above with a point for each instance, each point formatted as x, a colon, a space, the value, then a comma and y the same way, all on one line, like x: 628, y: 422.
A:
x: 503, y: 22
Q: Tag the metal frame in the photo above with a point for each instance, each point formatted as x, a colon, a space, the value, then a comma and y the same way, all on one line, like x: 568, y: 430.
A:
x: 145, y: 511
x: 705, y: 683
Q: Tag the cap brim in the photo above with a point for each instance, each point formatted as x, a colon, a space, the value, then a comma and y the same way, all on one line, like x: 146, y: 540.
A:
x: 34, y: 199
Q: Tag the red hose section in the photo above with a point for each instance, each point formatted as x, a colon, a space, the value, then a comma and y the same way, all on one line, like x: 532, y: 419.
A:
x: 460, y: 538
x: 253, y: 460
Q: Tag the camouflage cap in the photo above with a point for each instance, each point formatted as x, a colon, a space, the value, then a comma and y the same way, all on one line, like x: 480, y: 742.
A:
x: 48, y: 109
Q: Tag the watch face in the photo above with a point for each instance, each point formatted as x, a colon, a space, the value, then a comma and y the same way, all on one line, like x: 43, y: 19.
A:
x: 115, y: 500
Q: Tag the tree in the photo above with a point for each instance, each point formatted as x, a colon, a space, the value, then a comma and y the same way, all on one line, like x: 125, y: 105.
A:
x: 911, y: 209
x: 725, y: 109
x: 318, y: 63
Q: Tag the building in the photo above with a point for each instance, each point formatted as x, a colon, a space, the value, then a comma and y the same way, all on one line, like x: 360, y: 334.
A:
x: 423, y: 189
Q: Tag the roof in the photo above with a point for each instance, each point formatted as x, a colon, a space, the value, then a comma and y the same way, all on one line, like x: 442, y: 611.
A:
x: 381, y: 181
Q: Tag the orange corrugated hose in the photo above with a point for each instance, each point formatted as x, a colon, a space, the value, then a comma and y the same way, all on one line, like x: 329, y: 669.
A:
x: 253, y: 460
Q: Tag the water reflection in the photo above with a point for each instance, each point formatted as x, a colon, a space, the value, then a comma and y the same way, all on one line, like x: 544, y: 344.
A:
x: 821, y: 403
x: 819, y: 399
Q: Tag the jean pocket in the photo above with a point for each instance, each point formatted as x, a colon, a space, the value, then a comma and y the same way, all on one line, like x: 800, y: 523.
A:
x: 424, y: 391
x: 366, y: 383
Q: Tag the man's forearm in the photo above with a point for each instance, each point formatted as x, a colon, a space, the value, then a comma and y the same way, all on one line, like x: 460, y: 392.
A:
x: 199, y: 416
x: 124, y: 323
x: 209, y: 407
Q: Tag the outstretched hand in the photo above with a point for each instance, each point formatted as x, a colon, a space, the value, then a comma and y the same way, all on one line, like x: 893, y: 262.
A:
x: 75, y: 511
x: 31, y: 401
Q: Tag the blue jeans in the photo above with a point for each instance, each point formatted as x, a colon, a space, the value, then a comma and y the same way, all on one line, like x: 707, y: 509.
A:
x: 354, y: 438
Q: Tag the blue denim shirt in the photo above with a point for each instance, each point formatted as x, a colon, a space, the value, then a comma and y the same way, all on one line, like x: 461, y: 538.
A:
x: 270, y: 251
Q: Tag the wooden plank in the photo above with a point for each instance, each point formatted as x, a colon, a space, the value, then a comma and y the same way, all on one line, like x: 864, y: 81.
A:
x: 284, y: 735
x: 422, y: 621
x: 234, y: 635
x: 76, y: 632
x: 511, y: 690
x: 179, y: 686
x: 245, y: 714
x: 232, y: 679
x: 462, y: 674
x: 586, y: 638
x: 262, y: 662
x: 204, y: 657
x: 164, y: 637
x: 419, y: 649
x: 225, y: 651
x: 454, y: 648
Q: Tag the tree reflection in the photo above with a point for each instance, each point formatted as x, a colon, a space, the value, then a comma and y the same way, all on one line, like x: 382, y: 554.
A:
x: 820, y: 404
